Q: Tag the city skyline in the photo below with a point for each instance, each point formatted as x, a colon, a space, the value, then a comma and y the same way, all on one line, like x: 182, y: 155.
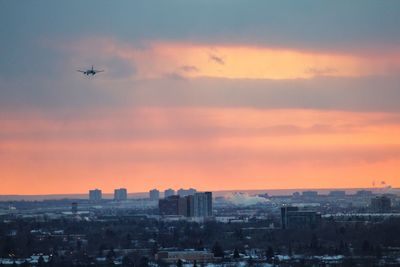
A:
x: 215, y: 96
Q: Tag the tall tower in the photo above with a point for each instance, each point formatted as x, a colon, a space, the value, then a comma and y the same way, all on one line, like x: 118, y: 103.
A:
x: 169, y: 192
x: 154, y: 194
x: 120, y: 194
x: 95, y: 195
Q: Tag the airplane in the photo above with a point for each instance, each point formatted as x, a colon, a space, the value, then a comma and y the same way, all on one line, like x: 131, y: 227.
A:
x: 90, y: 72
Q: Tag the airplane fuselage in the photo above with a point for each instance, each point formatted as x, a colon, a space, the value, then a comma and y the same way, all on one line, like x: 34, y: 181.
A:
x: 90, y: 72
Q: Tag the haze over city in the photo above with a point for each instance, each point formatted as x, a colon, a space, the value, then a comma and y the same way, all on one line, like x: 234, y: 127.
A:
x: 215, y: 95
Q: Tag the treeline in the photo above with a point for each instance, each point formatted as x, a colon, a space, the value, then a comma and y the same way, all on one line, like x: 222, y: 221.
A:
x: 141, y: 238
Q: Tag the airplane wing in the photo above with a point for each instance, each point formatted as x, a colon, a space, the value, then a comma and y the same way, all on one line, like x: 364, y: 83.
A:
x: 99, y: 70
x: 80, y: 71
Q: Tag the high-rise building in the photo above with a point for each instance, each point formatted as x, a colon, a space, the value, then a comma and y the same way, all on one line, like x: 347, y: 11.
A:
x: 202, y: 205
x: 169, y: 205
x: 186, y: 192
x: 120, y: 194
x: 381, y: 204
x: 183, y: 206
x: 95, y: 195
x: 197, y: 205
x: 154, y: 194
x: 169, y: 192
x: 292, y: 217
x: 190, y: 205
x: 74, y: 207
x: 209, y: 204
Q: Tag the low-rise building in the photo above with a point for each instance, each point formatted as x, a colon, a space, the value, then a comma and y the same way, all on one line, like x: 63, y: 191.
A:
x: 188, y: 256
x: 293, y: 217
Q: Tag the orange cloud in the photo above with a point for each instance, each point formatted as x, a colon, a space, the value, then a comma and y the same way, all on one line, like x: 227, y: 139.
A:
x: 191, y: 60
x: 207, y: 148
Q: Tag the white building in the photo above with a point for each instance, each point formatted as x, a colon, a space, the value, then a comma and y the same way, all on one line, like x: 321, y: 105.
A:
x: 169, y: 192
x: 186, y: 192
x: 154, y: 195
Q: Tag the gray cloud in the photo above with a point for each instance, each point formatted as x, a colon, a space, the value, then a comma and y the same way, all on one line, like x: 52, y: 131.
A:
x: 342, y: 25
x: 189, y: 68
x: 321, y: 71
x: 35, y: 76
x: 356, y: 94
x: 176, y: 76
x: 217, y: 59
x: 373, y: 93
x: 74, y: 128
x: 117, y: 68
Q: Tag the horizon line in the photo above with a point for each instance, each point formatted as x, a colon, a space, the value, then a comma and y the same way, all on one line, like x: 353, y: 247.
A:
x: 219, y: 190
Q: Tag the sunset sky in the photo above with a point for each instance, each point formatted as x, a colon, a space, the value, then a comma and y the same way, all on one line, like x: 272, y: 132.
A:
x: 214, y: 95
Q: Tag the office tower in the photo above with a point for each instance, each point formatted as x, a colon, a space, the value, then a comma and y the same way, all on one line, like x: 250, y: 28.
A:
x: 186, y: 192
x: 95, y: 195
x: 169, y: 192
x: 120, y: 194
x: 154, y: 194
x: 292, y: 217
x: 381, y: 204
